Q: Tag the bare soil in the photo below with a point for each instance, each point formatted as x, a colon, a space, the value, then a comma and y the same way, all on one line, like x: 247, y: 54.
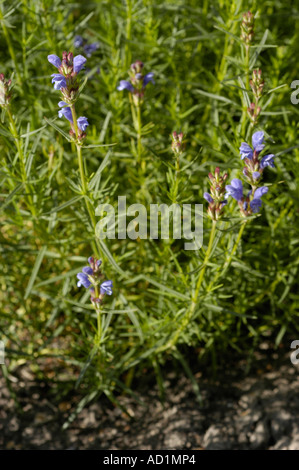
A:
x: 259, y: 410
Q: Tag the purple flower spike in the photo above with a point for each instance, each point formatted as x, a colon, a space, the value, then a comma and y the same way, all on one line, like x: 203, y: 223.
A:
x: 267, y: 160
x: 65, y: 111
x: 83, y: 280
x: 149, y: 77
x: 58, y: 80
x: 106, y: 288
x: 54, y: 60
x: 258, y: 141
x: 78, y: 63
x: 208, y: 197
x: 125, y: 85
x: 82, y: 123
x: 235, y: 189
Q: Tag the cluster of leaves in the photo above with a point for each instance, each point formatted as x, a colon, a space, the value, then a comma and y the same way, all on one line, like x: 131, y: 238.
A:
x: 195, y: 50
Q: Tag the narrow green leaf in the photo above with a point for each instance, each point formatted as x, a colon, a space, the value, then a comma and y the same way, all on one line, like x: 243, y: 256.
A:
x: 64, y: 134
x: 64, y: 205
x: 35, y: 271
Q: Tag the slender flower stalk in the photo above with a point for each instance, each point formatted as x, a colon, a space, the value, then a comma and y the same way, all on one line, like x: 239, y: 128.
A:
x: 136, y: 87
x: 68, y: 83
x: 89, y: 207
x: 190, y: 311
x: 247, y: 34
x: 91, y: 278
x: 177, y: 146
x: 138, y: 129
x: 222, y: 270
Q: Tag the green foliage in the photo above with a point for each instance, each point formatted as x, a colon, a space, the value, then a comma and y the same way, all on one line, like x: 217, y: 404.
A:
x: 249, y: 286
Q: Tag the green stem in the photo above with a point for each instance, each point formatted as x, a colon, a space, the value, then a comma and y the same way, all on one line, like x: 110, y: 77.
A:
x: 189, y: 313
x: 136, y: 117
x: 244, y: 112
x: 207, y: 257
x: 139, y: 142
x: 228, y: 260
x: 247, y: 65
x: 128, y: 33
x: 95, y: 245
x: 176, y: 179
x: 99, y: 323
x: 18, y: 143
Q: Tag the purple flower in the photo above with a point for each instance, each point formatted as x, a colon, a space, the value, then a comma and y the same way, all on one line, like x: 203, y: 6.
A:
x: 58, y: 80
x: 267, y: 160
x: 125, y: 85
x: 149, y: 77
x: 246, y: 151
x: 82, y: 123
x: 235, y: 189
x: 83, y: 277
x: 208, y: 197
x: 54, y: 60
x: 255, y: 205
x: 257, y: 142
x: 256, y: 202
x: 89, y: 49
x: 65, y: 111
x: 106, y: 287
x: 78, y: 63
x: 78, y: 41
x: 260, y: 192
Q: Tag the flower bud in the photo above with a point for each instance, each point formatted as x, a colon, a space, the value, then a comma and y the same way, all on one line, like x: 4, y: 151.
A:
x: 137, y: 66
x: 257, y: 84
x: 178, y: 145
x: 247, y: 28
x: 216, y: 198
x: 5, y: 96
